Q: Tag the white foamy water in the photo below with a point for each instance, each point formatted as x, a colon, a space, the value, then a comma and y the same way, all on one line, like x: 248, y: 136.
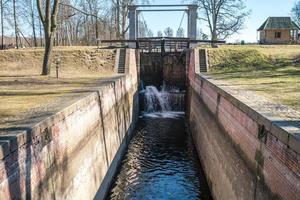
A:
x: 155, y: 100
x: 168, y: 114
x: 162, y: 101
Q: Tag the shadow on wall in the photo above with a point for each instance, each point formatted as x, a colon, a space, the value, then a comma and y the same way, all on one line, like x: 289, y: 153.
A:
x: 39, y: 167
x: 124, y: 132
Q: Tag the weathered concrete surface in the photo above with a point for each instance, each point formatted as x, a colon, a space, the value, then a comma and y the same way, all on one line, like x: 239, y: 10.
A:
x: 169, y: 68
x: 245, y: 155
x: 74, y: 153
x: 151, y: 71
x: 174, y: 70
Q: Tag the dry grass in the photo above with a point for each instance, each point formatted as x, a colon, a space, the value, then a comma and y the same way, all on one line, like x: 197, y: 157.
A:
x: 23, y: 89
x: 272, y: 71
x: 75, y: 62
x: 20, y: 94
x: 276, y: 51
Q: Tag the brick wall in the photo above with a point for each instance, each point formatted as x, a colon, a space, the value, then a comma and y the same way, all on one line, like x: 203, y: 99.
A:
x: 75, y: 153
x: 245, y: 155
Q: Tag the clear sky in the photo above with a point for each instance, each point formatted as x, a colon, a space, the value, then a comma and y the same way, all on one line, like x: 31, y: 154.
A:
x: 260, y: 11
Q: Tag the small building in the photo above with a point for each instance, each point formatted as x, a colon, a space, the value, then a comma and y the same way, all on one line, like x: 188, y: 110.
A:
x: 278, y: 30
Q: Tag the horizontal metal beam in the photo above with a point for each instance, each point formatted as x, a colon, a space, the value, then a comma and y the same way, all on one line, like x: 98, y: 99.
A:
x: 166, y: 5
x: 161, y: 38
x: 162, y: 10
x: 173, y: 39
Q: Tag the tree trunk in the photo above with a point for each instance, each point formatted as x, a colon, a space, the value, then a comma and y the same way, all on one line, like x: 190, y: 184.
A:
x: 15, y: 23
x: 49, y: 20
x: 2, y: 24
x: 97, y: 32
x: 34, y: 35
x: 41, y: 35
x: 118, y: 19
x: 33, y: 23
x: 214, y: 35
x: 47, y: 55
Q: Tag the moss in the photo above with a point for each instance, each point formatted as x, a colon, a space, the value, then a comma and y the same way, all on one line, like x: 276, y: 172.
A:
x: 259, y: 158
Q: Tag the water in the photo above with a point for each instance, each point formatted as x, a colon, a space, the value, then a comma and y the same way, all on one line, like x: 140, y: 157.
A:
x: 161, y: 161
x: 162, y: 101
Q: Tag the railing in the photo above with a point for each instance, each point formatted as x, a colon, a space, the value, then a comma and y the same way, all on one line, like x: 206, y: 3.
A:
x: 162, y: 44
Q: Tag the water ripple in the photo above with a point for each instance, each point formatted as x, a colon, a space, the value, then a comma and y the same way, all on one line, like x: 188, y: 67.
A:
x: 161, y: 163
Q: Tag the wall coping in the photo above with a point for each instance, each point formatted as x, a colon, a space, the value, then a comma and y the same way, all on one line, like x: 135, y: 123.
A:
x: 12, y: 140
x: 271, y: 124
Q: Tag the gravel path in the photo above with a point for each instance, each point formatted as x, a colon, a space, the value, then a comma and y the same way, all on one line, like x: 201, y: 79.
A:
x: 288, y: 117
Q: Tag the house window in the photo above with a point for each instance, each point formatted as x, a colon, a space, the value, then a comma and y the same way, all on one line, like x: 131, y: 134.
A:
x: 277, y: 34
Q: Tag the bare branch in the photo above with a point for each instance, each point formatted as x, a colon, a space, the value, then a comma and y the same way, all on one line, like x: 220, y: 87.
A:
x: 224, y: 17
x: 81, y: 11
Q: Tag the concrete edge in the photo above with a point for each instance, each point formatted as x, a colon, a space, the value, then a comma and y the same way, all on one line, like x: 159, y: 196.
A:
x: 286, y: 137
x: 13, y: 140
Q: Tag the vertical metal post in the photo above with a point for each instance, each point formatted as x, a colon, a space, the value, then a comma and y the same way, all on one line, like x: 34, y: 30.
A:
x: 192, y: 21
x: 132, y: 22
x: 132, y: 15
x: 188, y: 23
x: 137, y: 23
x: 162, y: 47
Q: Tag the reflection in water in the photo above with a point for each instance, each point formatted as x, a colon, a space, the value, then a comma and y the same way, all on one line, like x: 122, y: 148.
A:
x: 161, y: 162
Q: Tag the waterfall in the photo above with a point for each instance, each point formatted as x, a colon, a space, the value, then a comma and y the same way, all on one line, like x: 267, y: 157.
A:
x: 162, y: 101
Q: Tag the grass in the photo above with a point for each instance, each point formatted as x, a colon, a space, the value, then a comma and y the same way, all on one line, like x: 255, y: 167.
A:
x: 271, y: 71
x: 19, y: 95
x: 23, y: 90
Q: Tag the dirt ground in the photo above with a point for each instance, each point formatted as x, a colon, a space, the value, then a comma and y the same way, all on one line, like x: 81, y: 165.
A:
x: 24, y: 92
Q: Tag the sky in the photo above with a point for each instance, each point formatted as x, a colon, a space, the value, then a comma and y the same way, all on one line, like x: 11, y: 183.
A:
x: 260, y: 11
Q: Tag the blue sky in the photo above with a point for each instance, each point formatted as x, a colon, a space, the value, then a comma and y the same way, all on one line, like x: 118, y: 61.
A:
x: 261, y: 10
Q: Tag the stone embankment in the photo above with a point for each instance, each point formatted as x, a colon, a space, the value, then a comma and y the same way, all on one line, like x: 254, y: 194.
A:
x: 245, y: 154
x: 74, y: 153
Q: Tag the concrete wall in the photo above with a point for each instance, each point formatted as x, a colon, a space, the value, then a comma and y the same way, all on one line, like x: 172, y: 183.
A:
x: 73, y: 154
x: 169, y: 68
x: 174, y: 70
x: 151, y: 71
x: 244, y: 155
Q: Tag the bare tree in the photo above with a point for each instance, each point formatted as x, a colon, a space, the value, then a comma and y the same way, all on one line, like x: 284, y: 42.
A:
x: 77, y: 22
x: 120, y: 8
x: 159, y: 34
x: 150, y: 33
x: 296, y: 12
x: 144, y: 30
x: 48, y: 16
x: 120, y: 13
x: 15, y: 24
x: 201, y: 35
x: 85, y: 21
x: 32, y: 16
x: 168, y: 32
x: 41, y: 33
x: 180, y: 32
x: 224, y: 17
x: 2, y: 23
x: 27, y: 13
